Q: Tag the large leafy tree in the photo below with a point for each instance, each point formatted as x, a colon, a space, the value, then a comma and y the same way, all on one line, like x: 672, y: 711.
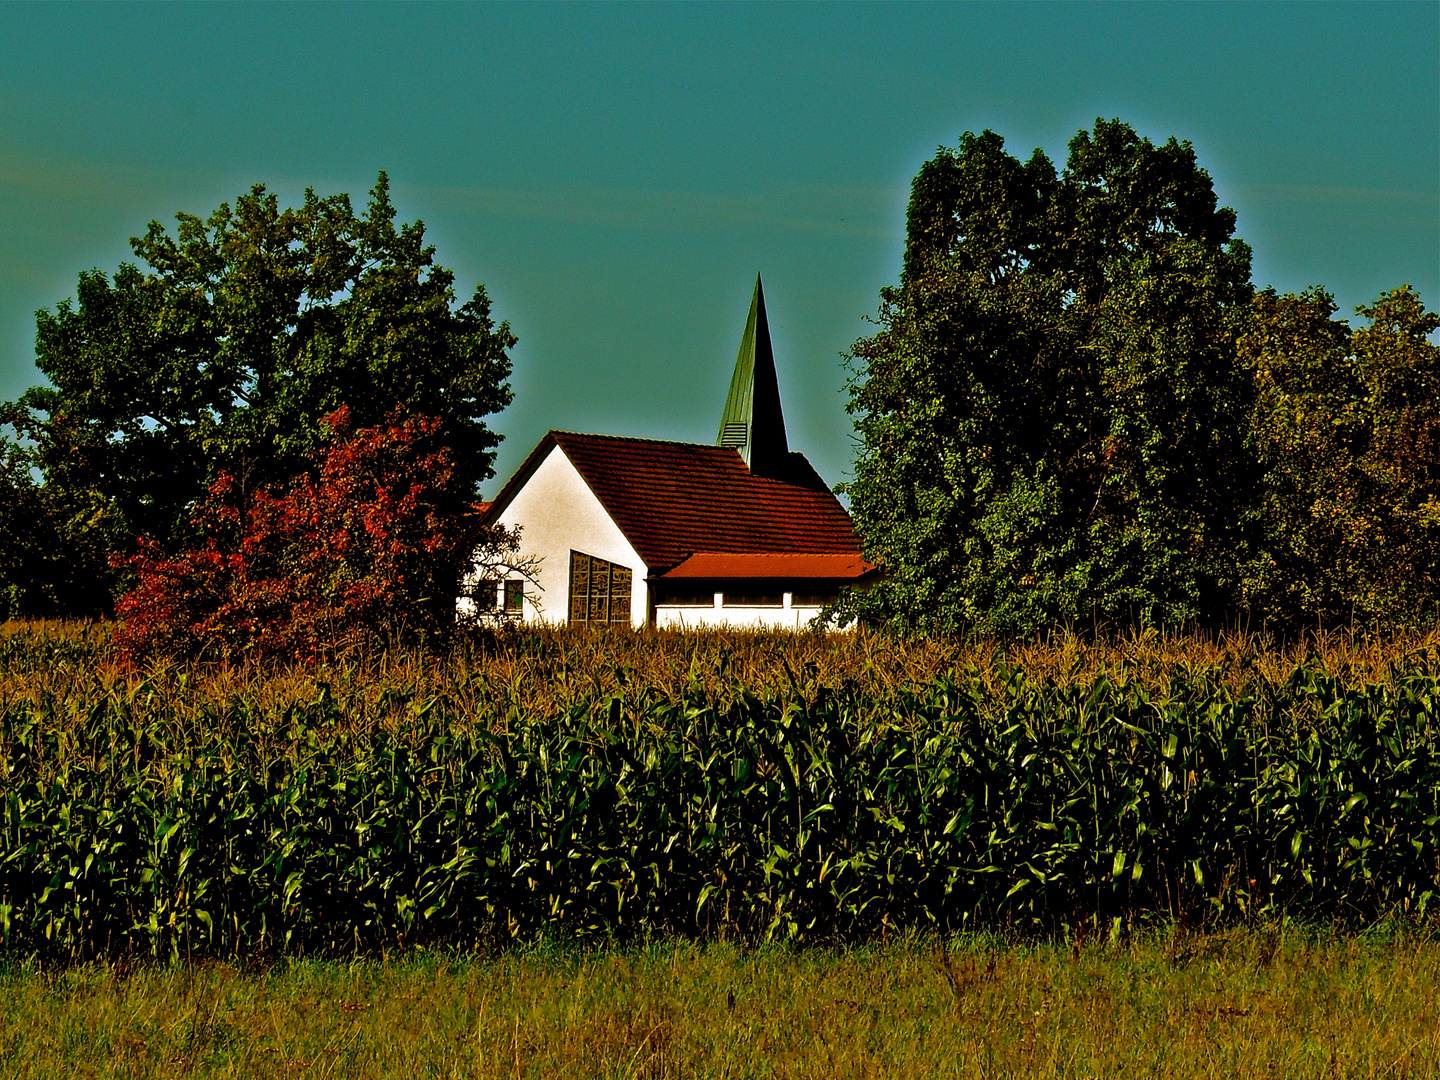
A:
x: 1050, y: 417
x: 227, y: 351
x: 1347, y: 425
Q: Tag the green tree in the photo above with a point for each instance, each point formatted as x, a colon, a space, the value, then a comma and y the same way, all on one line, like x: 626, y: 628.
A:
x: 54, y: 545
x: 19, y: 545
x: 1050, y: 417
x: 225, y: 354
x: 1347, y: 426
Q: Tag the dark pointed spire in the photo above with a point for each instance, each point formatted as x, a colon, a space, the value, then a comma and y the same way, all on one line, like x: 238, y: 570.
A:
x: 753, y: 422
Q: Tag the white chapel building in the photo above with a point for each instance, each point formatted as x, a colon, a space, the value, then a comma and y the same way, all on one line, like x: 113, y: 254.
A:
x: 637, y: 532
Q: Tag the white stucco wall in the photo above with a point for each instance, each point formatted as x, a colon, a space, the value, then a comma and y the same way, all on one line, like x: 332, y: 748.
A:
x: 788, y: 617
x: 558, y: 512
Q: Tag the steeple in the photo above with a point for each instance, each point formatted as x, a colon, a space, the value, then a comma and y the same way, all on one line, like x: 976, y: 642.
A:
x: 752, y: 422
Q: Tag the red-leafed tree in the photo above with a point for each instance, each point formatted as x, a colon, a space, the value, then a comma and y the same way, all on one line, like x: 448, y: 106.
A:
x: 373, y: 540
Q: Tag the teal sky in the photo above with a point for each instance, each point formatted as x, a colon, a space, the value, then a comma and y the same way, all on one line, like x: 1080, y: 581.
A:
x: 616, y: 175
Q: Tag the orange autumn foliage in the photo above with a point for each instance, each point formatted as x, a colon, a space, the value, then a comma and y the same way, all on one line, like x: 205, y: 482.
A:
x: 298, y: 571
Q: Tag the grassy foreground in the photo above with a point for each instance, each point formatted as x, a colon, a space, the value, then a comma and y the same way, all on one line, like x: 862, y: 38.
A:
x: 1245, y: 1003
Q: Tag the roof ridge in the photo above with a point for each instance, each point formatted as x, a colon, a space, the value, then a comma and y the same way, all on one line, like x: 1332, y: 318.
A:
x: 750, y: 553
x: 638, y: 438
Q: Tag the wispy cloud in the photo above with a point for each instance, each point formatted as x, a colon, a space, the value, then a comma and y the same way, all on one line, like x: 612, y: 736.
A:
x: 1334, y: 195
x: 856, y: 212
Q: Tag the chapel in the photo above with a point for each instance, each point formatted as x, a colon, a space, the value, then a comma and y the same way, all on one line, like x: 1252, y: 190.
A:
x: 636, y: 532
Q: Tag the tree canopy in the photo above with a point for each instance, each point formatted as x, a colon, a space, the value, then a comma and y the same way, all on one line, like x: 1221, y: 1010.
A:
x: 1346, y: 426
x: 227, y: 351
x: 1051, y: 414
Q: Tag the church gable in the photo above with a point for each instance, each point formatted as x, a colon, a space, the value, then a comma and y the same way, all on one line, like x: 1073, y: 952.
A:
x: 570, y: 530
x: 742, y: 532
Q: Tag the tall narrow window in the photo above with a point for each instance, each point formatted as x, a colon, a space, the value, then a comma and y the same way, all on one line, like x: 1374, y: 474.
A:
x: 599, y: 591
x: 514, y: 597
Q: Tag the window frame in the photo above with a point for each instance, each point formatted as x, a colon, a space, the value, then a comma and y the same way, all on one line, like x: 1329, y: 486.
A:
x: 514, y: 599
x: 611, y: 604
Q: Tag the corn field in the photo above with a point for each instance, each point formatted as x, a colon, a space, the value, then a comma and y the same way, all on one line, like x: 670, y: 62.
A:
x: 614, y: 786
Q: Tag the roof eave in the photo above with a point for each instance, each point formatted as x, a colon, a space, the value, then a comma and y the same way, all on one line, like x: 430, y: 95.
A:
x: 518, y: 480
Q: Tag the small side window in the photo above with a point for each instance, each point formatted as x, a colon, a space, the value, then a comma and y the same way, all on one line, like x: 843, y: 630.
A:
x: 686, y: 597
x: 818, y: 599
x: 486, y: 594
x: 753, y: 600
x: 514, y: 596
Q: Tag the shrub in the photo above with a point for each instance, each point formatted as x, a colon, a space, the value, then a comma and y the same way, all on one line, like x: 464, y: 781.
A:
x: 293, y: 571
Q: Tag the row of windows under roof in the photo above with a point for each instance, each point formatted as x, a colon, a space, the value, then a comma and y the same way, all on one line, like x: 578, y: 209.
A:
x: 605, y: 598
x: 689, y: 596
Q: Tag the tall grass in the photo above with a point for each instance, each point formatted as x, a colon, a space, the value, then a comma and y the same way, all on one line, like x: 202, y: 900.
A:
x: 803, y: 788
x: 1272, y: 1001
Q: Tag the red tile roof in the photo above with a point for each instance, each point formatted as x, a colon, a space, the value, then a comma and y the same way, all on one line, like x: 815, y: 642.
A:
x: 673, y: 499
x: 720, y: 564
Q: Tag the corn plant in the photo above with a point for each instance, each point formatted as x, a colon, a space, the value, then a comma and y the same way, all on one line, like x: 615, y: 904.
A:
x: 136, y: 818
